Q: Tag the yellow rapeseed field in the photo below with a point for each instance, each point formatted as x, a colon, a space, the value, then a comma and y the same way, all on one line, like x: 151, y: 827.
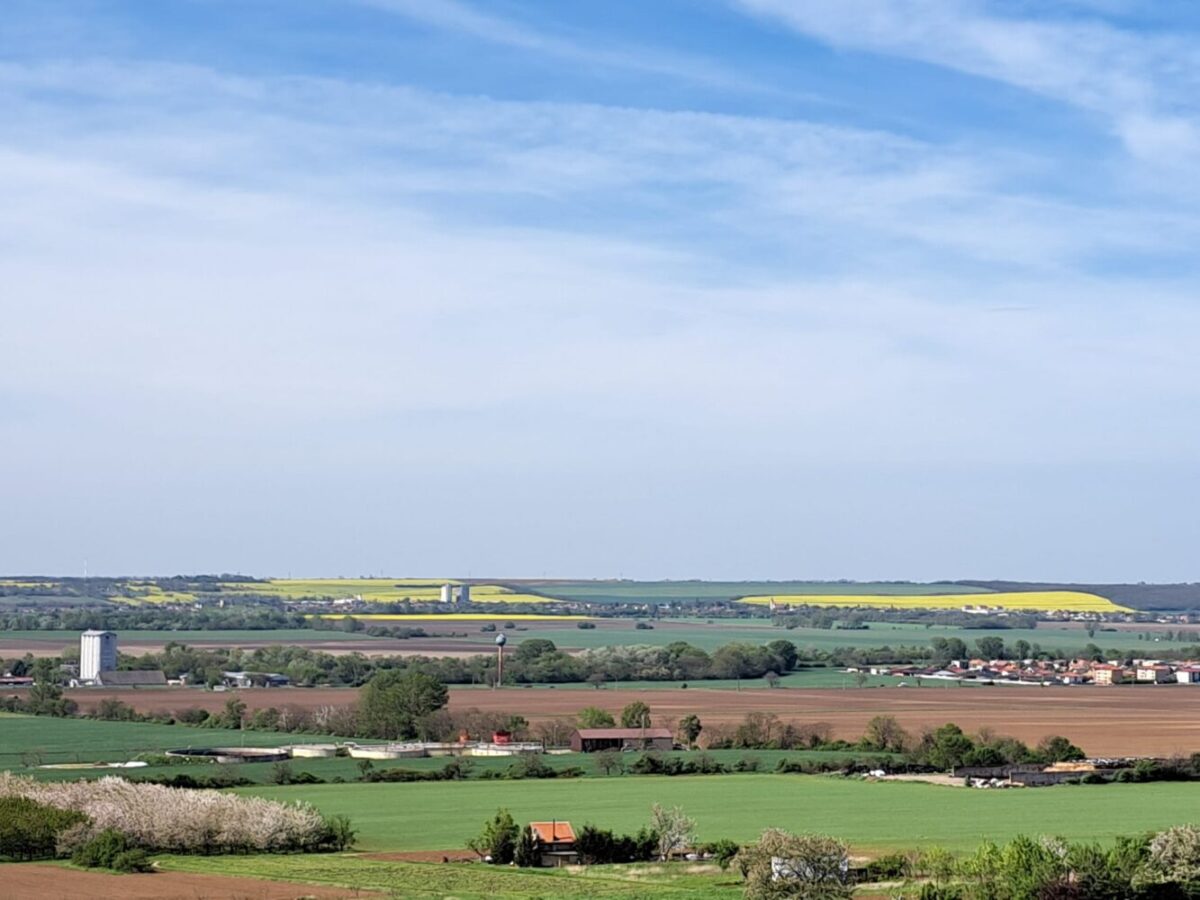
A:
x: 453, y: 617
x: 380, y: 590
x: 1039, y: 601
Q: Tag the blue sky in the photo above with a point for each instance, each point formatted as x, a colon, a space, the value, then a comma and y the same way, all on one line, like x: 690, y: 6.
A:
x: 720, y: 288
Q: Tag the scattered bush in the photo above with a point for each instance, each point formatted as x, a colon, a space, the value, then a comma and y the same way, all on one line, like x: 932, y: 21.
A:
x: 806, y: 866
x: 599, y: 846
x: 722, y: 851
x: 497, y: 842
x: 892, y: 867
x: 131, y: 861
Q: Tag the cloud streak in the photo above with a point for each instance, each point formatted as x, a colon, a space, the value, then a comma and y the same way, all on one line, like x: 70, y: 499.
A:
x: 1144, y: 84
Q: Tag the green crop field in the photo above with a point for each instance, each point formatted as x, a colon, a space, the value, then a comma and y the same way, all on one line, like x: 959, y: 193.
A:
x: 29, y: 741
x: 691, y: 591
x: 712, y: 633
x: 207, y: 636
x: 870, y: 816
x: 89, y: 740
x: 402, y: 879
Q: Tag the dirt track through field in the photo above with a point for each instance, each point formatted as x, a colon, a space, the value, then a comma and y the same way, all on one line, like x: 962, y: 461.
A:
x: 1160, y: 720
x: 56, y: 883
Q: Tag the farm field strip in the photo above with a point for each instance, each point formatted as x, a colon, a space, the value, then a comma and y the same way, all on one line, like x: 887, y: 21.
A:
x: 1049, y: 601
x: 453, y: 617
x: 1113, y: 721
x: 621, y: 591
x: 88, y: 740
x: 464, y: 637
x: 419, y: 590
x: 868, y: 815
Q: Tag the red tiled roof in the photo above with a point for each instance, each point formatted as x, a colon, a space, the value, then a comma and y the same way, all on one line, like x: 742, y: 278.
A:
x: 553, y: 832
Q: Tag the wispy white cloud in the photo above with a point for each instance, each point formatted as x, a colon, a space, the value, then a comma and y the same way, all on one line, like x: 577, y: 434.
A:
x: 341, y: 235
x: 463, y: 18
x: 1145, y: 84
x: 305, y: 296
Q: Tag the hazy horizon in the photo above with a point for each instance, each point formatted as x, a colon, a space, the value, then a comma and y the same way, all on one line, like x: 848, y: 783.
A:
x: 728, y: 289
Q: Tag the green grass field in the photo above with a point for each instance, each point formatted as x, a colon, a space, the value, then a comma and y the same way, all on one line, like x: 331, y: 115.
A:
x: 871, y: 816
x: 401, y: 879
x: 88, y: 740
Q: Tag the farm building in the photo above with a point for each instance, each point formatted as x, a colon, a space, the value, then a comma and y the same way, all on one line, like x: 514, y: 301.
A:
x: 254, y: 679
x: 590, y: 740
x: 555, y: 843
x: 133, y: 678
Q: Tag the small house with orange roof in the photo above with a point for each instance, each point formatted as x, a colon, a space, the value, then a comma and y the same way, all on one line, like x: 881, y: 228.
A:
x: 555, y: 842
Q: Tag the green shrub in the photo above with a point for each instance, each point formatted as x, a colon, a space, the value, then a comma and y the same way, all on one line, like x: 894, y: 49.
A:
x: 101, y: 850
x: 892, y: 867
x: 134, y: 860
x: 722, y: 851
x: 339, y: 833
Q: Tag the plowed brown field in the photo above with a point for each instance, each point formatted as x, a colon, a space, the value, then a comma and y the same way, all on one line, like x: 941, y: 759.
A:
x: 56, y: 883
x: 1160, y: 720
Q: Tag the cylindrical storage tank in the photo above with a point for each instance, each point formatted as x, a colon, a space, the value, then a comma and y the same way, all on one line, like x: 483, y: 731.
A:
x: 314, y: 751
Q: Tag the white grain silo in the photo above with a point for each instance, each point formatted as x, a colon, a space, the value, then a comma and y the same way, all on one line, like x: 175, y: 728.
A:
x: 97, y: 653
x: 447, y: 593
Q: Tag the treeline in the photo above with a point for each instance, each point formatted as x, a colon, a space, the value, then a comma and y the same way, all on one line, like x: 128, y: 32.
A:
x: 858, y: 619
x: 154, y: 618
x: 534, y: 661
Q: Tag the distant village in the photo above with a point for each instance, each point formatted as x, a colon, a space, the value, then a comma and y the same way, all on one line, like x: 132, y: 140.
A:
x: 1045, y: 671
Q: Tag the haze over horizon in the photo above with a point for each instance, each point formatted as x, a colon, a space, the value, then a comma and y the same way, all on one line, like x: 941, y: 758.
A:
x: 729, y: 289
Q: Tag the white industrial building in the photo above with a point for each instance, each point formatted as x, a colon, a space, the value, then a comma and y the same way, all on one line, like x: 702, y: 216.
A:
x: 456, y: 593
x: 97, y: 653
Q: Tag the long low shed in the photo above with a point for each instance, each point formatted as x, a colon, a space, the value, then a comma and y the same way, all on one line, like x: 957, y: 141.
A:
x: 590, y: 740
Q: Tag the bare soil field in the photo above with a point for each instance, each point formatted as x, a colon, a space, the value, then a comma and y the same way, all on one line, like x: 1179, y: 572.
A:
x: 1158, y: 720
x: 55, y: 883
x: 1116, y: 721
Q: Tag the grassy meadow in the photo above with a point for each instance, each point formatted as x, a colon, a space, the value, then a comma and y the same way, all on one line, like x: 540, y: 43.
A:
x: 871, y: 816
x: 406, y: 879
x: 88, y: 740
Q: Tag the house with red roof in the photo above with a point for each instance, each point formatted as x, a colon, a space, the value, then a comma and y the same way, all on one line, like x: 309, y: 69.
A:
x: 555, y: 842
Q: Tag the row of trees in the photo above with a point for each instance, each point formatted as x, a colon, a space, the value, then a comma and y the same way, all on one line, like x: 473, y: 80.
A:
x: 534, y: 661
x: 162, y: 819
